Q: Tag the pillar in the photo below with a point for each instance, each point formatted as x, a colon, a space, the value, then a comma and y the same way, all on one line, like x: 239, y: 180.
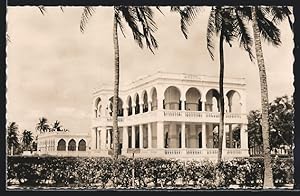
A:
x: 203, y: 132
x: 149, y: 106
x: 141, y: 136
x: 182, y: 104
x: 125, y: 111
x: 133, y: 109
x: 125, y: 138
x: 149, y: 136
x: 98, y: 138
x: 183, y: 135
x: 103, y: 137
x: 203, y: 105
x: 133, y: 137
x: 108, y: 138
x: 244, y: 136
x: 230, y: 136
x: 160, y: 135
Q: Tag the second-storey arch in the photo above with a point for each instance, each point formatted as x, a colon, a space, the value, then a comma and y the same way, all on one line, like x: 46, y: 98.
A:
x: 234, y: 101
x: 97, y: 107
x: 82, y: 145
x: 145, y: 101
x: 153, y: 95
x: 120, y: 106
x: 193, y: 99
x: 172, y: 98
x: 137, y: 103
x: 129, y: 104
x: 212, y: 101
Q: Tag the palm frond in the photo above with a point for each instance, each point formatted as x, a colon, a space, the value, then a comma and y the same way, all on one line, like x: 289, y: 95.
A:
x: 119, y: 22
x: 42, y: 9
x: 244, y: 35
x: 131, y: 19
x: 145, y: 16
x: 268, y: 30
x: 210, y: 33
x: 86, y: 14
x: 187, y: 16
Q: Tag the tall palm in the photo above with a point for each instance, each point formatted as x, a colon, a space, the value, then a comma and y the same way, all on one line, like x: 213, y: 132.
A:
x: 228, y: 25
x: 264, y: 20
x: 56, y: 126
x: 12, y: 137
x: 27, y: 139
x: 134, y: 16
x: 42, y: 126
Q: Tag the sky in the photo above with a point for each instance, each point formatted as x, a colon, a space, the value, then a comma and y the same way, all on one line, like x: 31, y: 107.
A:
x: 53, y: 68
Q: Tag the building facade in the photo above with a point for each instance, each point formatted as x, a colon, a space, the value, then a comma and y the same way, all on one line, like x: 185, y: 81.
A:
x: 59, y: 143
x: 173, y: 116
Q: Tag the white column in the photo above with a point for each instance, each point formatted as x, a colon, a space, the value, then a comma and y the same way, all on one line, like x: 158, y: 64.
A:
x: 133, y: 109
x: 183, y: 135
x: 108, y: 138
x: 159, y: 102
x: 125, y: 138
x: 99, y: 141
x: 125, y: 111
x: 203, y: 135
x: 133, y: 137
x: 103, y: 138
x: 141, y: 136
x: 149, y: 136
x: 244, y: 136
x: 203, y: 105
x: 141, y: 108
x: 182, y: 104
x: 160, y: 135
x: 149, y: 106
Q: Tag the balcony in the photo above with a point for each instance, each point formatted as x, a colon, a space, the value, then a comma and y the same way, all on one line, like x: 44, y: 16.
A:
x: 172, y: 115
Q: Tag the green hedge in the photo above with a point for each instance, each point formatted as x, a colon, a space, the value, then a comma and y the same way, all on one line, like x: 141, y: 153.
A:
x: 104, y: 172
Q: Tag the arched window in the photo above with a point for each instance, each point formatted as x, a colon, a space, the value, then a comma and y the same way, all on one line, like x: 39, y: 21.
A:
x: 193, y: 98
x: 234, y: 101
x: 154, y: 99
x: 172, y: 98
x: 82, y: 145
x: 61, y: 146
x: 72, y: 145
x: 145, y: 102
x: 212, y: 101
x: 137, y: 104
x: 120, y: 106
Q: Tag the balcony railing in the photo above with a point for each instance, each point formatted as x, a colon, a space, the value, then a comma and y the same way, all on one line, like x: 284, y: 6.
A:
x: 173, y: 115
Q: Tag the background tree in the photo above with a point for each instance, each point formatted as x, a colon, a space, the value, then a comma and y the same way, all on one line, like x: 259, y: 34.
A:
x: 12, y: 137
x: 42, y: 126
x: 134, y: 16
x: 281, y: 122
x: 27, y: 139
x: 56, y: 126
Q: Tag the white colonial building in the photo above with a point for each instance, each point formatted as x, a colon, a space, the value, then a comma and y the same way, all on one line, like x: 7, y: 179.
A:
x: 61, y: 143
x: 171, y: 115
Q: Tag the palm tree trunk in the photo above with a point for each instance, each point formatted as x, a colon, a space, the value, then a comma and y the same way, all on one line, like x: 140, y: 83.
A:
x: 116, y: 92
x: 221, y: 99
x: 268, y: 175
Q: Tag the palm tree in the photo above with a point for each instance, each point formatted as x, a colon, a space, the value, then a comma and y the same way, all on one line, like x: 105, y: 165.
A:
x: 27, y: 139
x: 12, y: 137
x: 266, y: 28
x: 42, y: 126
x: 56, y: 126
x: 134, y: 16
x: 228, y: 25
